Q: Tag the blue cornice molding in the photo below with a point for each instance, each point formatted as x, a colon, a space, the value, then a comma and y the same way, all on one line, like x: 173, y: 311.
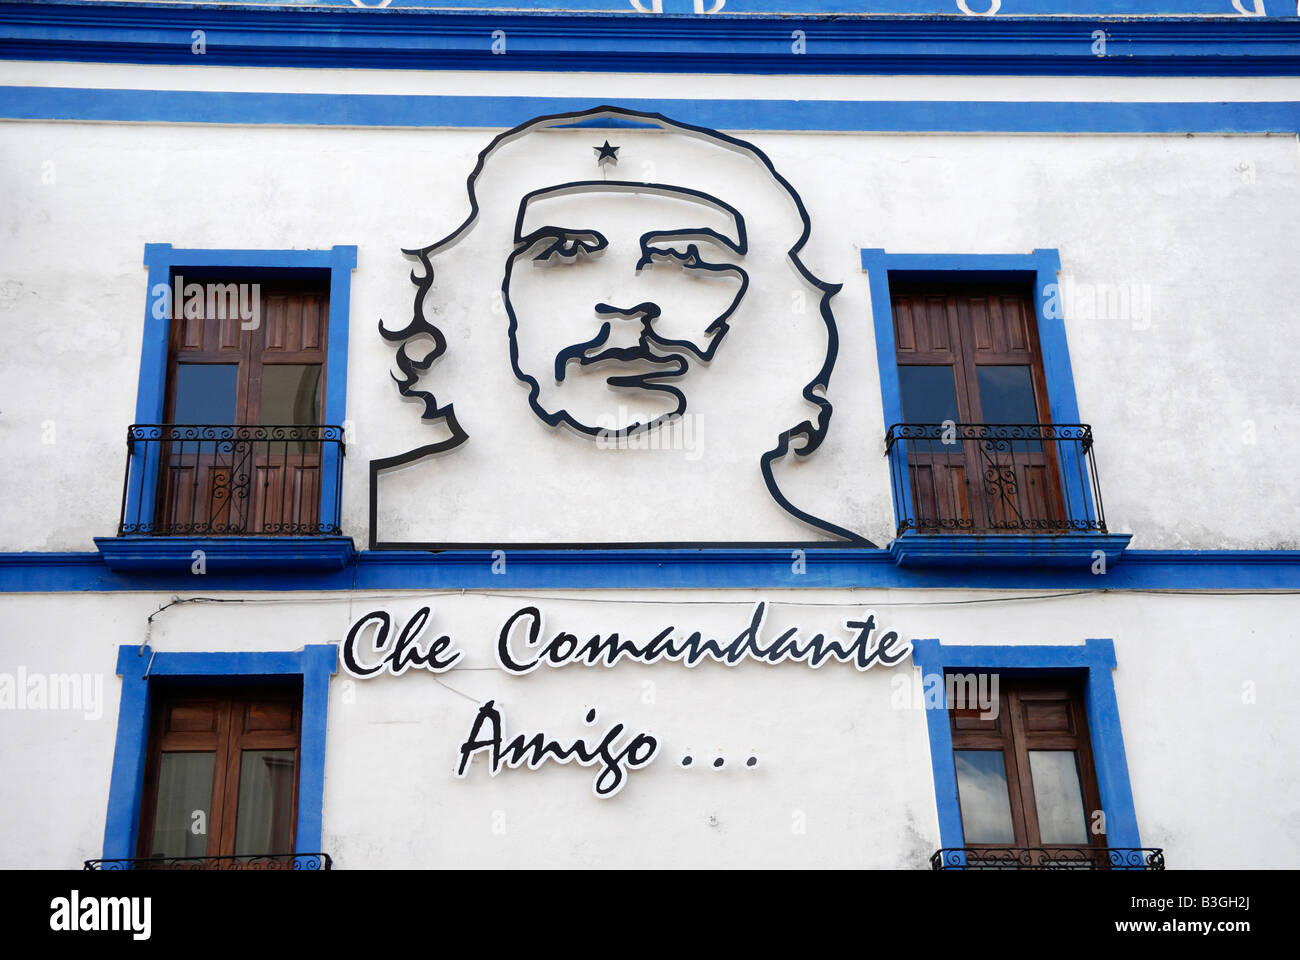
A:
x: 859, y: 9
x: 667, y: 43
x: 762, y: 568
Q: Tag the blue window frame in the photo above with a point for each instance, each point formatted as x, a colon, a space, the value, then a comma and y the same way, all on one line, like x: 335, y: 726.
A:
x: 313, y: 665
x: 1041, y: 269
x: 1095, y: 661
x: 164, y: 260
x: 147, y: 553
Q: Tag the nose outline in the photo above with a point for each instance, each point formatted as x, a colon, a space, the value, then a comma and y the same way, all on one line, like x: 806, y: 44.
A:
x: 646, y: 310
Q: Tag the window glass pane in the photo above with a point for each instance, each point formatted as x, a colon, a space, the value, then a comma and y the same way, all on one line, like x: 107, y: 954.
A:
x: 265, y: 818
x: 291, y: 393
x: 1058, y: 796
x: 929, y: 395
x: 985, y: 802
x: 1007, y: 396
x: 184, y: 787
x: 205, y: 393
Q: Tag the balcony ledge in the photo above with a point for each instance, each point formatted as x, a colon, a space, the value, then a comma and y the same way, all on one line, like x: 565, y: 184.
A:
x: 1007, y: 550
x: 226, y: 554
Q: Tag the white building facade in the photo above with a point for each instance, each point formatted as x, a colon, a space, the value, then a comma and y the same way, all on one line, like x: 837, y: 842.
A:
x: 610, y: 436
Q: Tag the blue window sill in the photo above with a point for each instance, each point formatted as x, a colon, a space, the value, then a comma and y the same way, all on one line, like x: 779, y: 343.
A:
x: 1007, y: 550
x: 226, y: 554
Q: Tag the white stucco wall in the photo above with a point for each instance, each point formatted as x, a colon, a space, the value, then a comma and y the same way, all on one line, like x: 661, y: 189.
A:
x: 1189, y: 401
x: 1204, y: 709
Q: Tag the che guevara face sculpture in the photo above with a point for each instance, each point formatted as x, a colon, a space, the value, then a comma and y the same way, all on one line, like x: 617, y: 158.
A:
x: 615, y: 293
x: 625, y: 275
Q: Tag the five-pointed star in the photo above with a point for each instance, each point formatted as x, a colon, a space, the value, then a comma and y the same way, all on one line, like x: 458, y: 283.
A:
x: 606, y: 154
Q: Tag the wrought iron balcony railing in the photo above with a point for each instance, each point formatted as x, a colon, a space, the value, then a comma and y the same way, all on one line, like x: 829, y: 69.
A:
x: 1048, y: 858
x: 285, y: 861
x: 1037, y: 478
x: 214, y: 480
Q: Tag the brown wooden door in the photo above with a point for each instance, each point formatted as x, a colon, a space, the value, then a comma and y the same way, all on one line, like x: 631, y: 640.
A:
x: 969, y: 353
x: 1026, y: 777
x: 221, y: 776
x: 223, y: 481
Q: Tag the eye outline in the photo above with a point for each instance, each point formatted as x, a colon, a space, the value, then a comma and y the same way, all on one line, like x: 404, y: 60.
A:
x: 690, y: 258
x: 566, y: 246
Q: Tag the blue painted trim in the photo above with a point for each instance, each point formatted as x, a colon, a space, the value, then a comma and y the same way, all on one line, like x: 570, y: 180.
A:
x: 1043, y: 268
x: 382, y: 110
x: 150, y: 392
x: 142, y: 470
x: 423, y: 40
x: 1059, y: 373
x: 750, y: 9
x: 1077, y: 550
x: 320, y: 662
x: 221, y: 554
x: 342, y: 261
x: 757, y: 569
x: 125, y: 792
x: 876, y: 264
x: 162, y: 260
x: 314, y: 664
x: 1095, y: 659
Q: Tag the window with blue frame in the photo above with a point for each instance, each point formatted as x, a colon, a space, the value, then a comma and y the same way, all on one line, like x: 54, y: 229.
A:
x: 986, y: 452
x: 240, y: 410
x: 219, y: 755
x: 1028, y: 757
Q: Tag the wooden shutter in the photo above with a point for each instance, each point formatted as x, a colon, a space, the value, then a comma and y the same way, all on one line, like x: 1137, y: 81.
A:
x: 984, y: 486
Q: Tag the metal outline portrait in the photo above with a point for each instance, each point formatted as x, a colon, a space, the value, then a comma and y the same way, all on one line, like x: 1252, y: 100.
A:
x: 802, y: 439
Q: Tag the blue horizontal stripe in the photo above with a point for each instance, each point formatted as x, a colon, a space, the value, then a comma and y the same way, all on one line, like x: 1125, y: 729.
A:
x: 1007, y: 8
x: 183, y: 106
x: 675, y: 569
x: 632, y: 42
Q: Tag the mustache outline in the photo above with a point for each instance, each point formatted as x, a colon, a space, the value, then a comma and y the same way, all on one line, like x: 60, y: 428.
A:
x: 647, y: 312
x: 676, y: 364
